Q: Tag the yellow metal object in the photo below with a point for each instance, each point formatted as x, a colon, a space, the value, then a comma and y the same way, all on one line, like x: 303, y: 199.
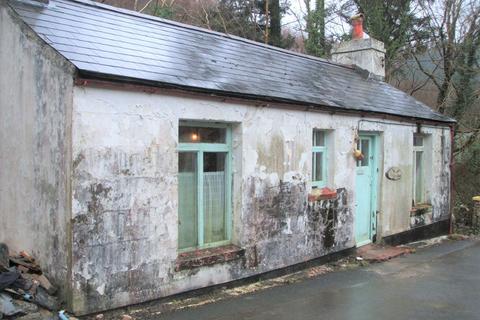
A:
x: 357, y: 154
x: 476, y: 198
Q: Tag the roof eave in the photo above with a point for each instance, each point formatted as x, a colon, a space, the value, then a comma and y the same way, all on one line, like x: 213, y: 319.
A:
x: 84, y: 78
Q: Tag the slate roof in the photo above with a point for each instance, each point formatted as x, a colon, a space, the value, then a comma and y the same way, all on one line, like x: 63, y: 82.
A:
x: 113, y: 43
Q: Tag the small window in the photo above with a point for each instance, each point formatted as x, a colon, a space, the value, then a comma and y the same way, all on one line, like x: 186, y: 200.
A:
x: 319, y: 159
x: 318, y: 138
x: 418, y: 195
x: 364, y: 146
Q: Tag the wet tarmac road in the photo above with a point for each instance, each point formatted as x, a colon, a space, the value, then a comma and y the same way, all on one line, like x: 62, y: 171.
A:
x: 439, y: 282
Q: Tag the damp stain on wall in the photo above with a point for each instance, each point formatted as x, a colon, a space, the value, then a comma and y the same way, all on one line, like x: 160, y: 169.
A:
x: 284, y: 227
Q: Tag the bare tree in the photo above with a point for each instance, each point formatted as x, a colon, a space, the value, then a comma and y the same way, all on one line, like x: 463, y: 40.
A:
x: 450, y: 61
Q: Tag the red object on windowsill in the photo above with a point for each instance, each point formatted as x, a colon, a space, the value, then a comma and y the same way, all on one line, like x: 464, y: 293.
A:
x: 322, y: 194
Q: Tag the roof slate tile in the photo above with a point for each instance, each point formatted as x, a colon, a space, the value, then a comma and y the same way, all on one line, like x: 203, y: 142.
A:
x: 117, y: 43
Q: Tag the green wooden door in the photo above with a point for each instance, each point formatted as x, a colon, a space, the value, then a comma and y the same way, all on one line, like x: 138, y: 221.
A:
x: 365, y: 191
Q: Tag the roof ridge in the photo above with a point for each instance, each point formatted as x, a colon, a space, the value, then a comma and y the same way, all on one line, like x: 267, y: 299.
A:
x: 207, y: 31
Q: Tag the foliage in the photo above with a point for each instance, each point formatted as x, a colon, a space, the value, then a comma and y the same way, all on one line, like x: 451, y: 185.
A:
x: 163, y: 12
x: 270, y: 16
x: 315, y: 44
x: 394, y: 22
x: 258, y: 20
x: 454, y: 42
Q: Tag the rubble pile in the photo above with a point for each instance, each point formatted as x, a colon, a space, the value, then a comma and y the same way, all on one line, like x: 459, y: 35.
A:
x: 25, y: 292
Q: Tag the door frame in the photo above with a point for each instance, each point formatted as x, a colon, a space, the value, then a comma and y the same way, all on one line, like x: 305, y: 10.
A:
x: 374, y: 196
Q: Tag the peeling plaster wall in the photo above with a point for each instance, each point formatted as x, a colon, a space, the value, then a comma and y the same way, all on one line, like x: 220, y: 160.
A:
x: 438, y: 174
x: 36, y: 89
x: 125, y: 191
x: 395, y: 196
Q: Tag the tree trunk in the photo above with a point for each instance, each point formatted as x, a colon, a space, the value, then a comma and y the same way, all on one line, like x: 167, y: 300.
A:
x: 275, y: 23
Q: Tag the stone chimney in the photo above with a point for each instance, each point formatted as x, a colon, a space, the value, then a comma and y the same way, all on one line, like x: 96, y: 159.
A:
x: 362, y: 51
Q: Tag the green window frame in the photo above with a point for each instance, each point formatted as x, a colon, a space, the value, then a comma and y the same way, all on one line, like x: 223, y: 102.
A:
x: 195, y: 194
x: 418, y: 176
x: 319, y: 158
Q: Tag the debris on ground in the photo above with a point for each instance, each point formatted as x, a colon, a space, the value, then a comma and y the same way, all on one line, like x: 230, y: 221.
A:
x: 63, y: 316
x: 25, y: 292
x: 7, y: 308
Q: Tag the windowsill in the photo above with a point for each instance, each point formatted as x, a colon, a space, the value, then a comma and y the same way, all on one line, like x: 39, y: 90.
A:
x: 207, y: 257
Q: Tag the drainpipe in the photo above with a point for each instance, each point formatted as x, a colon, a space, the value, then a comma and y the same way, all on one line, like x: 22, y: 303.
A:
x: 452, y: 183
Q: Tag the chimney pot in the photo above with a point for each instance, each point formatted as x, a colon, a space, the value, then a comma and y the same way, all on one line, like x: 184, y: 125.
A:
x: 357, y: 24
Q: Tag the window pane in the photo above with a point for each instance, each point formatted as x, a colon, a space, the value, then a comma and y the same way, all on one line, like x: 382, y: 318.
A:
x: 317, y: 166
x: 187, y: 200
x: 214, y: 196
x: 417, y: 140
x: 418, y: 177
x: 201, y: 134
x: 365, y: 148
x: 318, y: 138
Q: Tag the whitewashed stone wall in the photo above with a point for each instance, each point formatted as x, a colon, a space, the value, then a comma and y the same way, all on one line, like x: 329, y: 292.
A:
x: 125, y: 189
x: 36, y: 92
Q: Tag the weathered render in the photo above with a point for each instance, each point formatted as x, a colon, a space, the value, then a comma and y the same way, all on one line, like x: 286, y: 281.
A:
x: 125, y: 190
x: 36, y: 87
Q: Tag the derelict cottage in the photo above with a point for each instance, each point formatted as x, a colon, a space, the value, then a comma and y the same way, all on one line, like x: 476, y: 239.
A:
x: 143, y: 158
